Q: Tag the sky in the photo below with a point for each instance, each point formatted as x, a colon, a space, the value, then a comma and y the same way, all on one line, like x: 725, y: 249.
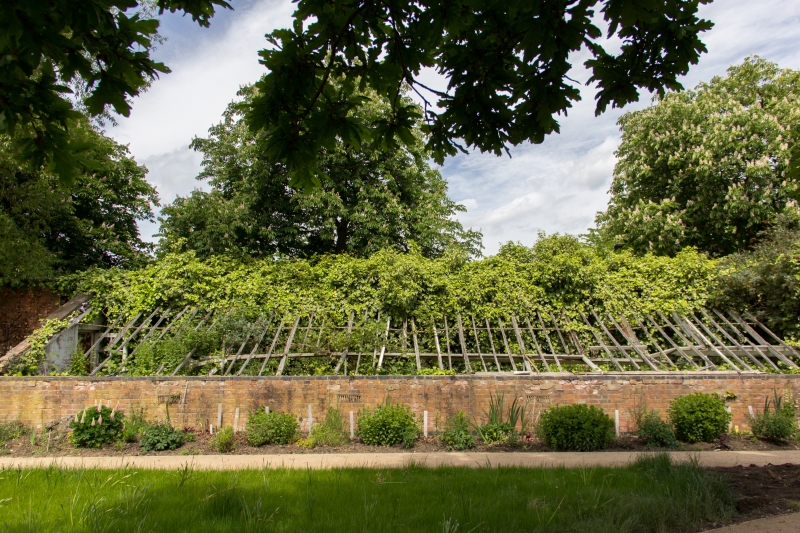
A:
x: 556, y: 187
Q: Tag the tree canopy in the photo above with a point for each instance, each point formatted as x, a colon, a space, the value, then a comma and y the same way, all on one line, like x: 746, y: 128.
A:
x: 506, y: 63
x: 707, y: 168
x: 371, y: 197
x: 47, y: 228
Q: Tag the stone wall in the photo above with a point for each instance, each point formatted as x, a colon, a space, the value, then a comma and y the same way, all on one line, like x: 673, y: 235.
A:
x: 194, y: 400
x: 20, y: 312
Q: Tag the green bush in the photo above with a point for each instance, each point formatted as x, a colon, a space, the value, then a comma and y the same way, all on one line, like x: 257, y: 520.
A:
x: 161, y: 436
x: 655, y: 432
x: 134, y: 426
x: 223, y: 441
x: 92, y: 428
x: 699, y: 417
x: 388, y: 425
x: 331, y: 432
x: 576, y: 427
x: 271, y: 428
x: 457, y: 434
x: 777, y: 422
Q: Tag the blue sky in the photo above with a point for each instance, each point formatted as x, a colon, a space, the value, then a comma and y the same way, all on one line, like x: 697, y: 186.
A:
x: 556, y: 186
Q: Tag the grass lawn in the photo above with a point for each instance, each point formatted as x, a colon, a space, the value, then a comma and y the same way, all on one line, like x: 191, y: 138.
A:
x: 652, y: 495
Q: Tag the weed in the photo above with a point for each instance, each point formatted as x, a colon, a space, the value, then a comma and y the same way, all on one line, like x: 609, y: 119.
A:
x: 776, y: 423
x: 12, y: 430
x: 224, y: 440
x: 457, y: 434
x: 331, y: 432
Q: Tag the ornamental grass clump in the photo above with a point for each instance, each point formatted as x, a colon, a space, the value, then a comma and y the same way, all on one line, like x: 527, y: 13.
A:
x: 331, y: 431
x: 161, y: 436
x: 271, y: 428
x: 699, y: 417
x: 777, y: 422
x: 93, y: 427
x: 577, y: 427
x: 457, y: 433
x: 500, y: 427
x: 388, y: 425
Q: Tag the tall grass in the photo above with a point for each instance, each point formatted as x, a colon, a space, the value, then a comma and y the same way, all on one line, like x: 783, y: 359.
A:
x: 652, y: 495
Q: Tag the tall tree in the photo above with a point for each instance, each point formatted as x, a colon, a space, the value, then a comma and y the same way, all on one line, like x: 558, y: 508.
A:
x: 47, y: 228
x: 371, y: 197
x: 709, y: 167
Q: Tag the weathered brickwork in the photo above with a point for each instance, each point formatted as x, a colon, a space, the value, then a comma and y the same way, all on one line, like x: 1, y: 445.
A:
x: 194, y: 401
x: 20, y: 312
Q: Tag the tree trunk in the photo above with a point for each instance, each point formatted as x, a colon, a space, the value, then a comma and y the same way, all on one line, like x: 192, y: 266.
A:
x: 341, y: 236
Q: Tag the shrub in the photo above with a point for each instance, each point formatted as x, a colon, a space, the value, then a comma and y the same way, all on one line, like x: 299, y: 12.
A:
x: 12, y: 430
x: 653, y: 431
x: 331, y: 432
x: 699, y: 417
x: 457, y: 434
x: 501, y: 425
x: 387, y: 425
x: 161, y: 436
x: 91, y: 428
x: 223, y: 441
x: 134, y: 426
x: 777, y: 422
x: 575, y: 427
x: 271, y: 428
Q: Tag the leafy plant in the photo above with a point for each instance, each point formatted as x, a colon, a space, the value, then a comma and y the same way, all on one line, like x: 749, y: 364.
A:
x: 223, y: 441
x: 655, y: 432
x: 699, y: 417
x: 577, y: 427
x: 271, y: 428
x: 388, y: 425
x: 331, y: 432
x: 457, y: 433
x: 93, y: 427
x: 30, y: 363
x: 161, y: 436
x: 12, y: 430
x: 501, y: 425
x: 777, y: 422
x: 134, y: 426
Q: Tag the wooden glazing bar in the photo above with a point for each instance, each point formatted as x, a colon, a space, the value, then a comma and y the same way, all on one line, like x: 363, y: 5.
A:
x: 539, y: 350
x: 614, y: 340
x: 405, y: 333
x: 139, y: 328
x: 655, y: 344
x: 308, y: 330
x: 491, y: 344
x: 505, y: 342
x: 753, y: 333
x: 103, y: 336
x: 686, y: 341
x: 416, y: 344
x: 288, y: 346
x: 716, y: 340
x: 447, y: 341
x: 523, y: 352
x: 600, y: 342
x: 361, y: 342
x: 272, y: 346
x: 343, y: 360
x: 478, y: 344
x: 171, y: 323
x: 670, y: 340
x: 463, y: 344
x: 732, y: 339
x: 634, y: 342
x: 256, y: 346
x: 150, y: 332
x: 780, y: 341
x: 119, y: 336
x: 385, y: 341
x: 193, y: 350
x: 758, y: 348
x: 438, y: 347
x: 560, y: 336
x: 238, y: 353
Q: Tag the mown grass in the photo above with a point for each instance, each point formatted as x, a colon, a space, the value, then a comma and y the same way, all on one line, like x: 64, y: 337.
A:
x: 650, y: 496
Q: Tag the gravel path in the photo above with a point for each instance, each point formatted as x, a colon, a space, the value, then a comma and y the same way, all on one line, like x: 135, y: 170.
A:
x: 395, y: 460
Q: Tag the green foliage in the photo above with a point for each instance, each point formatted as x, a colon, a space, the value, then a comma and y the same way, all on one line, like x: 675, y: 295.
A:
x: 93, y: 427
x: 135, y: 425
x: 32, y: 360
x: 699, y: 417
x: 12, y: 430
x: 370, y: 197
x: 331, y: 431
x: 387, y: 425
x: 706, y: 168
x: 501, y: 424
x: 99, y: 50
x: 161, y: 436
x: 577, y: 427
x: 777, y: 422
x: 223, y: 441
x: 457, y: 433
x: 506, y: 73
x: 271, y: 428
x: 47, y: 228
x: 655, y: 432
x: 79, y: 364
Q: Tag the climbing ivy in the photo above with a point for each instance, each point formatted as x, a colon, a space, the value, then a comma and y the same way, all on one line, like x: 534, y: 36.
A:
x: 31, y: 361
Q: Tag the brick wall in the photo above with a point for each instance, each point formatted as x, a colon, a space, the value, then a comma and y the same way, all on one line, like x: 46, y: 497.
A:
x: 20, y: 312
x: 194, y: 400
